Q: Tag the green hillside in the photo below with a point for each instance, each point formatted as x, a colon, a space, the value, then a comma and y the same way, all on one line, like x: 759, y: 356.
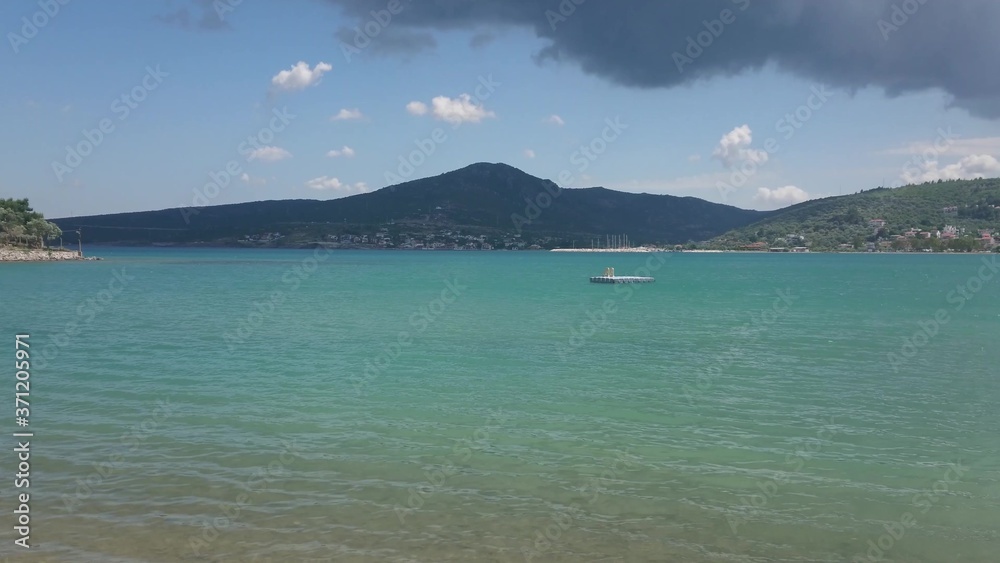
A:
x: 823, y: 224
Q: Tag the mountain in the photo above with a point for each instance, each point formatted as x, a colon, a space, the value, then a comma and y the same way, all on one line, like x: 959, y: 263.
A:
x: 972, y: 205
x: 482, y: 199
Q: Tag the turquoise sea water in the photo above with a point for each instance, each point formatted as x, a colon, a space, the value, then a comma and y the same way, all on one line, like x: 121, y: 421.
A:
x: 237, y: 405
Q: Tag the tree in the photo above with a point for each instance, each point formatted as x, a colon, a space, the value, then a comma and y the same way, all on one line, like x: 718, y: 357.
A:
x: 15, y: 231
x: 964, y: 244
x: 37, y: 229
x: 853, y: 216
x: 52, y: 230
x: 18, y: 221
x: 8, y: 222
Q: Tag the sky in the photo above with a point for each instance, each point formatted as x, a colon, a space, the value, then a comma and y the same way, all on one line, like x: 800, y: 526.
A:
x: 128, y: 106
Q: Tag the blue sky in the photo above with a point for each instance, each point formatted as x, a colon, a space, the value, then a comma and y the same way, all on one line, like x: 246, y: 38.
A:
x: 205, y: 91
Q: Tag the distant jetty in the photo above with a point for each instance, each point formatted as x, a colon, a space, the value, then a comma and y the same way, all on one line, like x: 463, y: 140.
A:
x: 37, y: 255
x: 610, y: 277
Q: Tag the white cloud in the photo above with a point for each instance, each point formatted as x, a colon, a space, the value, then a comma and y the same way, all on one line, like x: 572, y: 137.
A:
x: 694, y: 158
x: 347, y: 114
x: 452, y: 110
x: 416, y: 108
x: 334, y: 184
x: 734, y: 148
x: 555, y: 120
x: 324, y: 183
x: 346, y: 152
x: 300, y: 76
x: 968, y: 168
x: 269, y: 154
x: 787, y: 195
x: 253, y: 181
x: 528, y: 153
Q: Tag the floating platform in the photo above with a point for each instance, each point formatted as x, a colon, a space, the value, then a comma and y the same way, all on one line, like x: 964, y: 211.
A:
x: 610, y: 277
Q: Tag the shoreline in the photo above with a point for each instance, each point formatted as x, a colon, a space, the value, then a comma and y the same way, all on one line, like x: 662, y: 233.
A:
x: 328, y: 246
x: 10, y: 254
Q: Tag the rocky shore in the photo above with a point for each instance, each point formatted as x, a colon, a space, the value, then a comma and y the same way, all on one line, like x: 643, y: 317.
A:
x: 36, y: 255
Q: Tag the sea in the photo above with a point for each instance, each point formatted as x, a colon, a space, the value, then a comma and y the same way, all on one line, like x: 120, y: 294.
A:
x: 239, y: 405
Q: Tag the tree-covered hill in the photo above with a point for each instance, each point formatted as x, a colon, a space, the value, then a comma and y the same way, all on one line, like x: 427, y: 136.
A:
x: 478, y: 199
x: 21, y: 225
x: 967, y: 205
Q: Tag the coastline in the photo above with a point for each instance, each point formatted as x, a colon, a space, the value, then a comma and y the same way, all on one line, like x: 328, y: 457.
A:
x: 341, y: 246
x: 9, y: 254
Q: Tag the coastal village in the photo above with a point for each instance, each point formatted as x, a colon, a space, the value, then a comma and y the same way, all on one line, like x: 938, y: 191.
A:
x: 886, y: 237
x: 443, y: 239
x: 909, y: 239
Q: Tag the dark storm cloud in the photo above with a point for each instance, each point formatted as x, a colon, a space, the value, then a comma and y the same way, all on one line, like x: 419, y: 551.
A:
x: 389, y: 41
x: 900, y: 46
x: 482, y: 39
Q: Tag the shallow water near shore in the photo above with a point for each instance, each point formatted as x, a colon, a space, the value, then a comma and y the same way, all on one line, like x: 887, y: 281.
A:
x: 297, y: 405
